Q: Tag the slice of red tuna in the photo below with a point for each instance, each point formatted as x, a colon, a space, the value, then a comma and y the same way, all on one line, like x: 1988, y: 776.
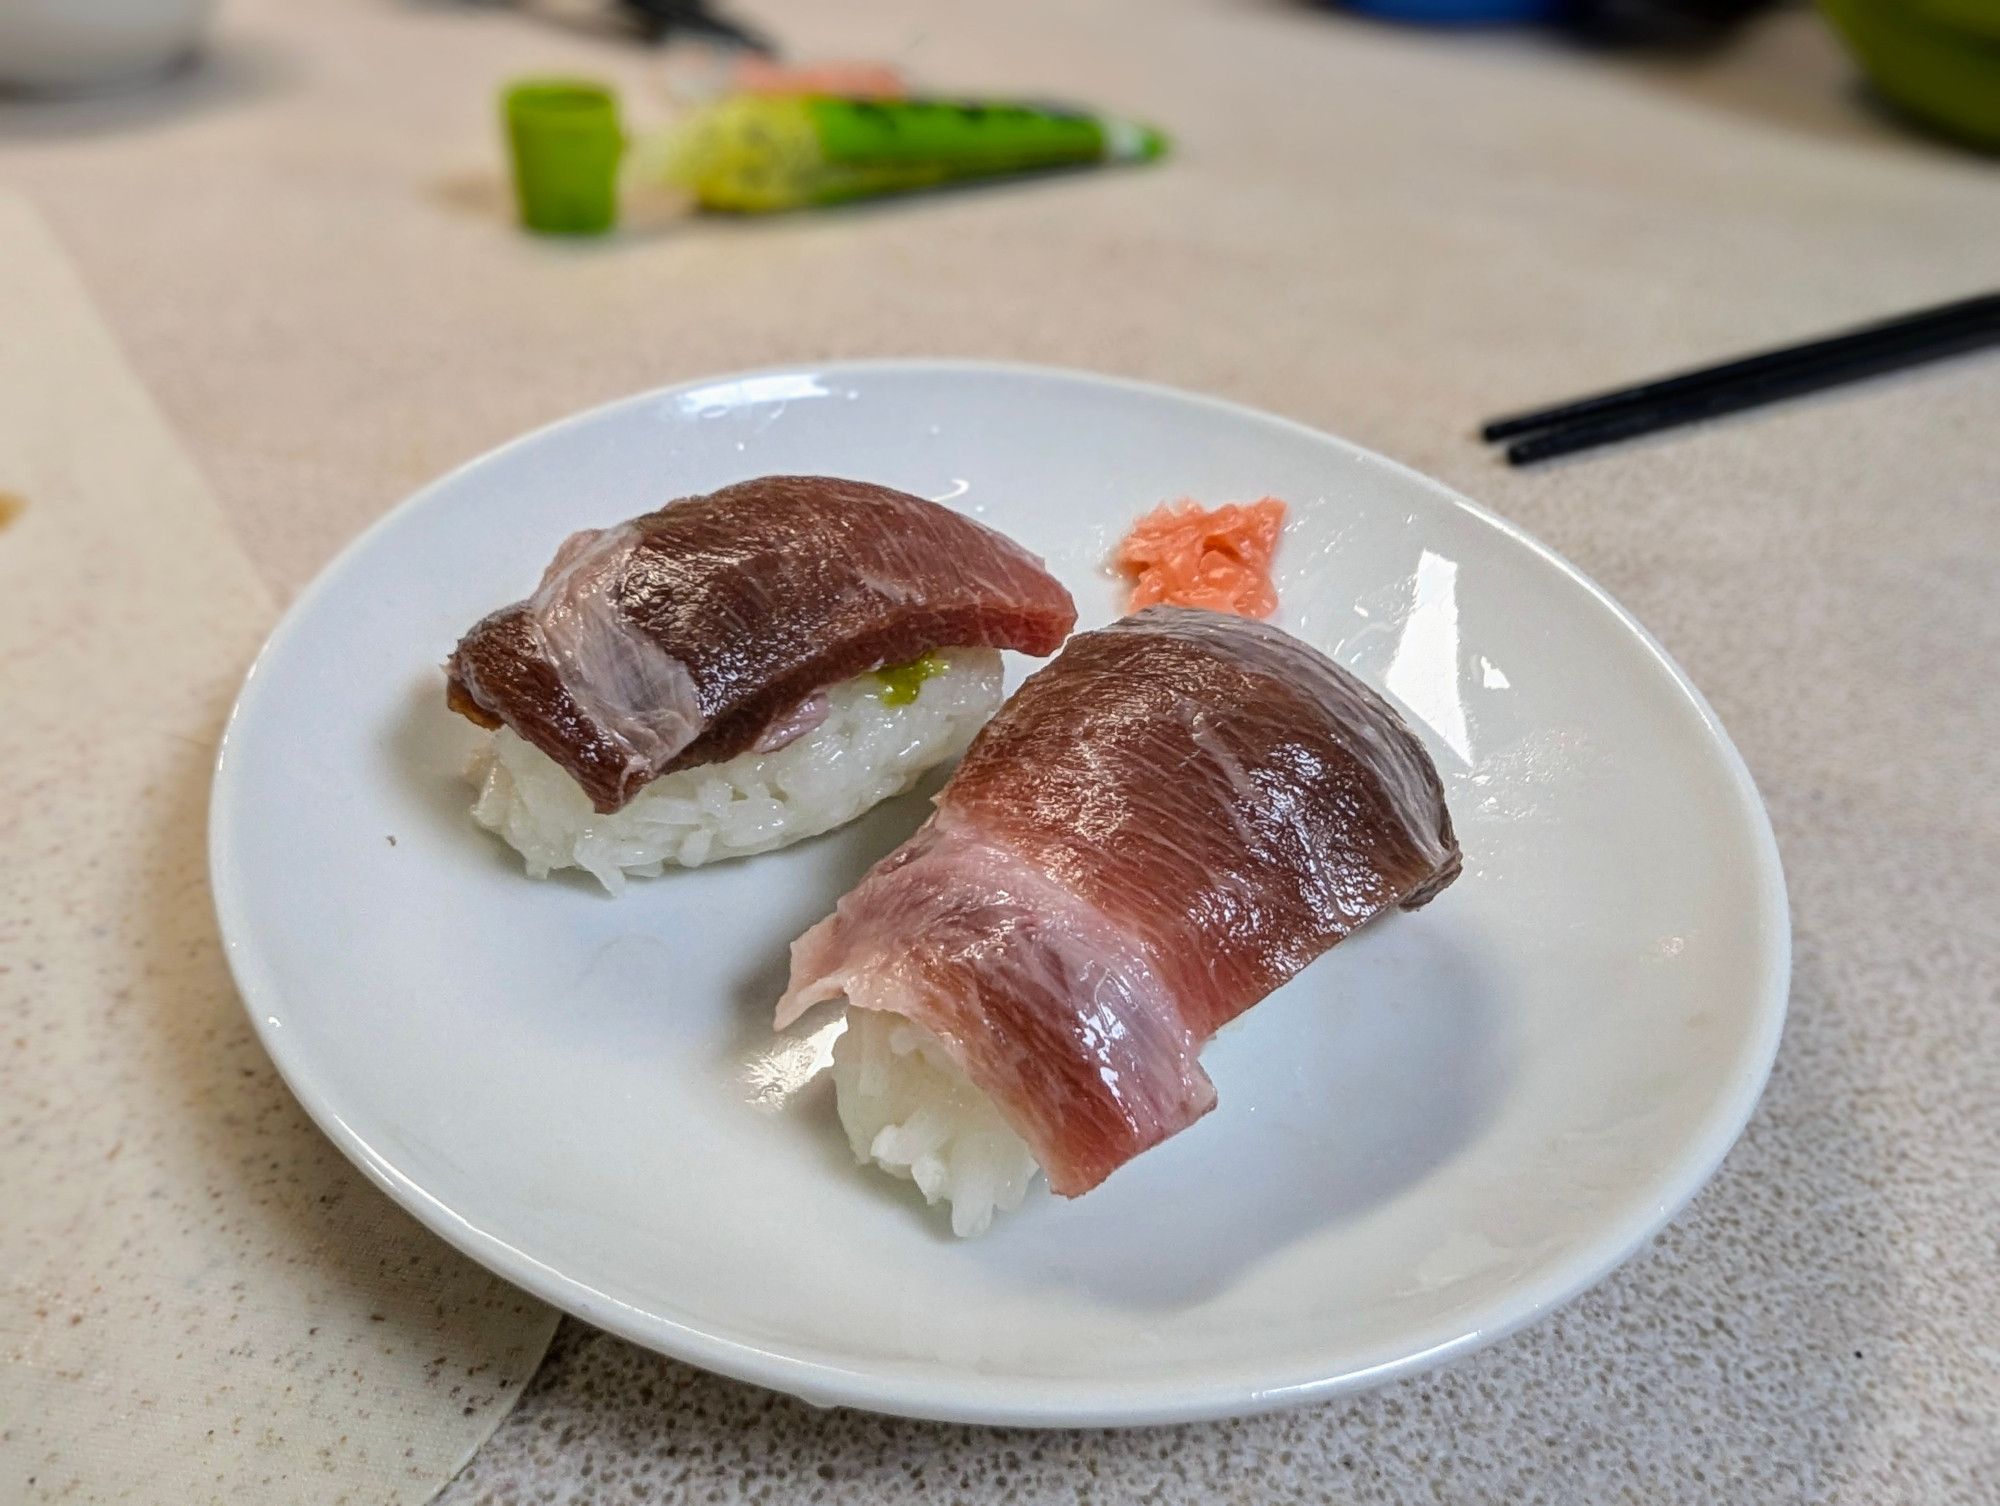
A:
x: 1163, y: 825
x: 691, y: 634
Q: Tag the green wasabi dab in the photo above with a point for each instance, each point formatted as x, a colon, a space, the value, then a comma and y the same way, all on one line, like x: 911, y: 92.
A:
x: 902, y: 682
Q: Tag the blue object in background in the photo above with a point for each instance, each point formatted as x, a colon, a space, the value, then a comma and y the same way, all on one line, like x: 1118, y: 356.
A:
x: 1456, y: 12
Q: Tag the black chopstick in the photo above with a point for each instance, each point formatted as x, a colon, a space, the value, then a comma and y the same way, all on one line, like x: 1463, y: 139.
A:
x: 1772, y: 387
x: 1751, y: 380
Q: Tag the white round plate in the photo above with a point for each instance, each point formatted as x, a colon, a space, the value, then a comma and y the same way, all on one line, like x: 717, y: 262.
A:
x: 1442, y: 1129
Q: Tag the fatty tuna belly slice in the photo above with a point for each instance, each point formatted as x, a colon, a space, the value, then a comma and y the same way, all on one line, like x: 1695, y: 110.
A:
x: 1163, y: 825
x: 713, y: 627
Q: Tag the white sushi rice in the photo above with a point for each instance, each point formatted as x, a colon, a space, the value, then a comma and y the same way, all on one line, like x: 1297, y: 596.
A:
x: 865, y: 751
x: 906, y: 1107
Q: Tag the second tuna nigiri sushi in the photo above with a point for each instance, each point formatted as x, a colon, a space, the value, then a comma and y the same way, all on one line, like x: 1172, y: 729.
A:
x: 1166, y: 823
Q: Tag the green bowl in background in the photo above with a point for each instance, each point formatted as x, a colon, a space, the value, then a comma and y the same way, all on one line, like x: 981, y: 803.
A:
x: 1937, y: 59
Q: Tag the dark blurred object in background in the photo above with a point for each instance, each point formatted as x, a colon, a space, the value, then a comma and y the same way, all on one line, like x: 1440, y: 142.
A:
x: 1935, y: 61
x: 663, y: 20
x: 649, y: 21
x: 1676, y: 24
x: 1455, y: 12
x: 1659, y: 23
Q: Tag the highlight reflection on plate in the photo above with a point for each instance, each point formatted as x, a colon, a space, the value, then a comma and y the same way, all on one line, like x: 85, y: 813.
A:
x: 1452, y: 1122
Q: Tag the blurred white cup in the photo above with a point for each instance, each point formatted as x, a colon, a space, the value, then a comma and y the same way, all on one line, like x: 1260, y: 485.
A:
x: 62, y: 45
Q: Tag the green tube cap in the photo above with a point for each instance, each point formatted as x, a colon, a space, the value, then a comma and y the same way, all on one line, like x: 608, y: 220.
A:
x: 565, y: 141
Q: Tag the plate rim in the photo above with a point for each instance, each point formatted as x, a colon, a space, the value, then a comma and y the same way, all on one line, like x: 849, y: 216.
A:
x: 1014, y: 1400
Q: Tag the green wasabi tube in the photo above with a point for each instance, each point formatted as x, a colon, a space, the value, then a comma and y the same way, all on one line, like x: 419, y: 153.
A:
x: 756, y: 154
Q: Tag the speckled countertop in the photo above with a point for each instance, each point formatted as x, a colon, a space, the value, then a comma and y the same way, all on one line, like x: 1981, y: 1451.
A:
x: 1382, y: 233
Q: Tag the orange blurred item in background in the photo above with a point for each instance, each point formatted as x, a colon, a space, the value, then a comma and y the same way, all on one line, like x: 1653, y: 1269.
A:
x: 856, y: 80
x: 1215, y: 557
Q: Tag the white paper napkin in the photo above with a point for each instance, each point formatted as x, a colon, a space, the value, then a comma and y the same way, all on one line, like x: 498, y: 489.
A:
x: 203, y: 1301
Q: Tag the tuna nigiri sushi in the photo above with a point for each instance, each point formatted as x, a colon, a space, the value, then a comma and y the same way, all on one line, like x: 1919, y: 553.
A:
x: 740, y: 670
x: 1167, y: 822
